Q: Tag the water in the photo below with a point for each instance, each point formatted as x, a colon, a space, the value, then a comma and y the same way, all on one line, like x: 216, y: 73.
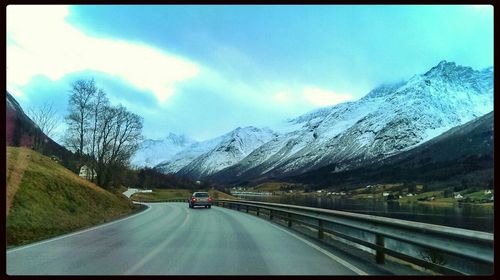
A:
x: 468, y: 216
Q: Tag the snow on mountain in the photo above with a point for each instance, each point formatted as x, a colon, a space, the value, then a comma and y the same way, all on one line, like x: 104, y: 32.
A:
x: 390, y: 119
x: 231, y: 148
x: 187, y: 155
x: 152, y: 152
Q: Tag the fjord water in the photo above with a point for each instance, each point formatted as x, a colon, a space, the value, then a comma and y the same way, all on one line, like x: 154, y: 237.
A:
x: 467, y: 216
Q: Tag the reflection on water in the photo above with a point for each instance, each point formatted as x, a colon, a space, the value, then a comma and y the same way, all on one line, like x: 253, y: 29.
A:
x: 469, y: 216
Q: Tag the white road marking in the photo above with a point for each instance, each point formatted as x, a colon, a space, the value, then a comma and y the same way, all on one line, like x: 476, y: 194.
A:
x: 78, y: 232
x: 330, y: 255
x: 157, y: 250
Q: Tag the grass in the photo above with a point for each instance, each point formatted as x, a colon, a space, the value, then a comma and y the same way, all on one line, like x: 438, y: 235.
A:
x: 270, y: 186
x: 162, y: 195
x: 424, y: 195
x: 45, y: 199
x: 158, y: 195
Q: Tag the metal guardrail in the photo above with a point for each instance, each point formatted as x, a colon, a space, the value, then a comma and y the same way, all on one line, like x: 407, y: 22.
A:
x: 445, y: 250
x: 162, y: 200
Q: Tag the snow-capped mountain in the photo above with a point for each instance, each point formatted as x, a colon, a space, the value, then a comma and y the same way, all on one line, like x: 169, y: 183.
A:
x: 152, y: 152
x: 232, y: 147
x: 388, y: 120
x: 187, y: 155
x: 463, y: 152
x: 203, y: 160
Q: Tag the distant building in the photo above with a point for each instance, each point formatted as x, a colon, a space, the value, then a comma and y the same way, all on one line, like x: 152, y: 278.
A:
x: 487, y: 192
x: 55, y: 158
x: 87, y: 173
x: 458, y: 196
x: 385, y: 194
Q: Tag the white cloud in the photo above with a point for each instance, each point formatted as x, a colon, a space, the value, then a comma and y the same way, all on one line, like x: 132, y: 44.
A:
x: 322, y: 97
x: 282, y: 97
x: 41, y: 42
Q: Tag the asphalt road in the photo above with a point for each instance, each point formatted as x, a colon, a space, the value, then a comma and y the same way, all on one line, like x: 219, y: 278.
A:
x: 171, y: 239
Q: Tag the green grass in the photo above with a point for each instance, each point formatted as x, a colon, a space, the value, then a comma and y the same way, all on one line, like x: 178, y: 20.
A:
x: 415, y: 198
x: 158, y: 195
x: 47, y: 200
x: 162, y: 195
x: 276, y: 186
x: 478, y: 195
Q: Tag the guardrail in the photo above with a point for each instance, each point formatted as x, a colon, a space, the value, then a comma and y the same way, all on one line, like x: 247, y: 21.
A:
x: 162, y: 200
x: 445, y: 250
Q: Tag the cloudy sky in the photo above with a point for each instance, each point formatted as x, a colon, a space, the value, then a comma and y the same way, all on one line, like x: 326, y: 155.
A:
x: 205, y: 70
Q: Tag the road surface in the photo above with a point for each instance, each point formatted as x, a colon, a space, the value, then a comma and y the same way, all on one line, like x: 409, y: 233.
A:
x: 171, y: 239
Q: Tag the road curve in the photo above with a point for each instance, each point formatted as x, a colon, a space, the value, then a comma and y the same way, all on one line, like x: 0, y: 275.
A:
x: 171, y: 239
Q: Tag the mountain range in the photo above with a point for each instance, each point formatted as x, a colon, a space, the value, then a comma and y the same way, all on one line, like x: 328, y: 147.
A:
x: 461, y: 154
x: 389, y: 120
x: 152, y: 152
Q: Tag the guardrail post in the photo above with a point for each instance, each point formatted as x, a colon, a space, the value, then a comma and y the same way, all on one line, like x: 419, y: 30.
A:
x: 247, y: 208
x: 379, y: 255
x: 289, y: 216
x: 238, y: 207
x: 320, y: 229
x: 270, y: 214
x: 258, y: 211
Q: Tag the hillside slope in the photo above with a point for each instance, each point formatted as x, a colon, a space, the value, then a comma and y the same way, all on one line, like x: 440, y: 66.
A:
x: 21, y: 131
x: 461, y: 154
x: 45, y: 199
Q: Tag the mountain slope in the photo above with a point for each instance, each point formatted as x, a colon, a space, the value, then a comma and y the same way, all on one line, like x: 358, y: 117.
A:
x: 232, y: 147
x: 21, y: 131
x: 388, y: 120
x: 187, y: 155
x: 463, y: 152
x: 152, y: 152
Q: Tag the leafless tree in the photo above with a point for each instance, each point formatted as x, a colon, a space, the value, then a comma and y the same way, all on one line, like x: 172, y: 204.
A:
x: 118, y: 138
x: 46, y: 119
x: 105, y: 136
x: 80, y: 101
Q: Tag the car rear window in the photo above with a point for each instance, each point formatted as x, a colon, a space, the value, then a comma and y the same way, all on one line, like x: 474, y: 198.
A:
x: 201, y: 194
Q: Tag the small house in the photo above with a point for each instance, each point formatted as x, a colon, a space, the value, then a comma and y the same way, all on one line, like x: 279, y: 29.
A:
x: 87, y: 173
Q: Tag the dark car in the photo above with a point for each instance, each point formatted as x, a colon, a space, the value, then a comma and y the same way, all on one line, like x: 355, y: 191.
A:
x: 200, y: 199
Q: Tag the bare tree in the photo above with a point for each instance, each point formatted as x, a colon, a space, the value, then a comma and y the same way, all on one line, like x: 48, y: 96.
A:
x: 80, y: 107
x: 118, y: 138
x: 104, y: 136
x: 46, y: 119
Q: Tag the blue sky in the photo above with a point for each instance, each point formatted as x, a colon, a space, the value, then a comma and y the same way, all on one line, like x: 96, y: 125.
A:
x: 205, y: 70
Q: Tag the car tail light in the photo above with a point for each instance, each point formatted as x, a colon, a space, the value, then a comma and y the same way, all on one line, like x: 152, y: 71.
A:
x: 209, y: 199
x: 193, y: 199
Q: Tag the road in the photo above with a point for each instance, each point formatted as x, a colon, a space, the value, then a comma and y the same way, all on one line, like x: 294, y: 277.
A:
x: 171, y: 239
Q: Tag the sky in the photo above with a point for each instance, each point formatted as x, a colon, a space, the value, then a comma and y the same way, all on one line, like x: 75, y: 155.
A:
x: 203, y: 71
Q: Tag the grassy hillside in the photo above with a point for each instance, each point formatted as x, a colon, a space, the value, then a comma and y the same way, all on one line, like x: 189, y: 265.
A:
x: 44, y: 199
x: 158, y: 195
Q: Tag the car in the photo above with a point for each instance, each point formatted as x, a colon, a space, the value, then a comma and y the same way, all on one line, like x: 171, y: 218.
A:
x: 200, y: 199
